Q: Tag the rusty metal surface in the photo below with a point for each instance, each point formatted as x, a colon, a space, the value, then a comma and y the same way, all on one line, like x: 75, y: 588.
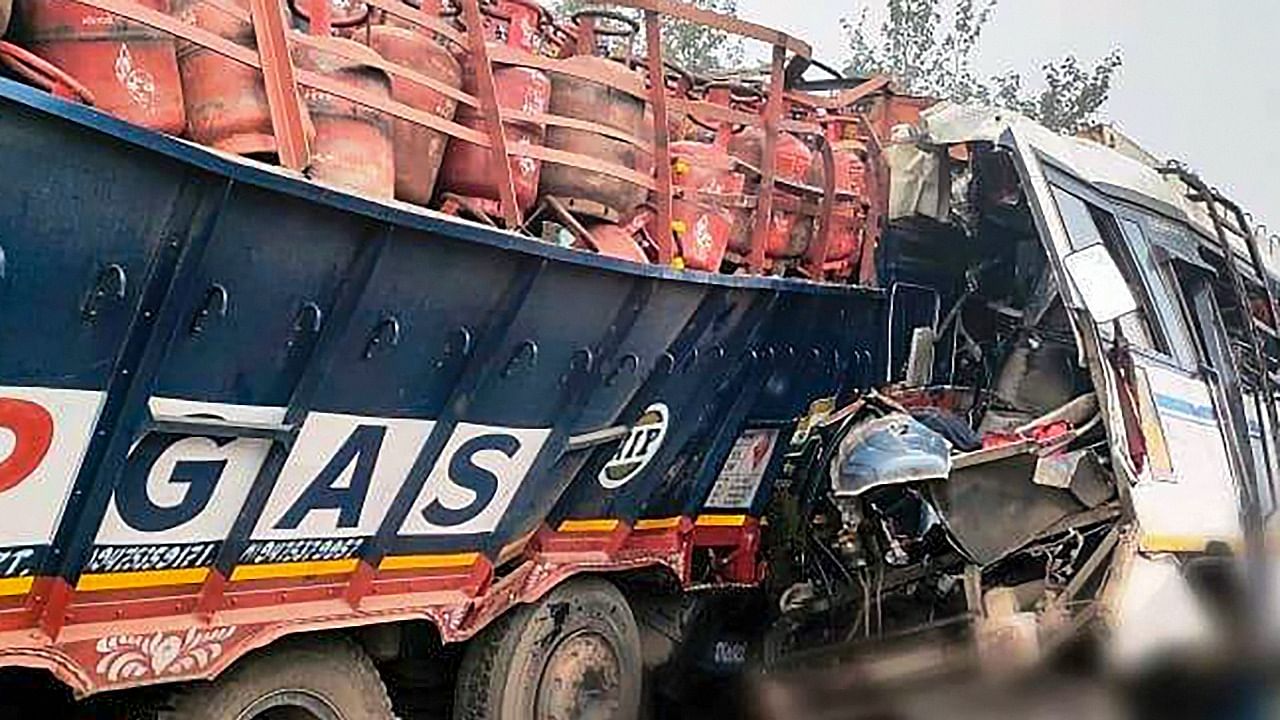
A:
x: 583, y: 99
x: 499, y: 168
x: 282, y: 87
x: 227, y: 104
x: 661, y: 141
x: 764, y: 208
x: 419, y: 151
x: 353, y: 146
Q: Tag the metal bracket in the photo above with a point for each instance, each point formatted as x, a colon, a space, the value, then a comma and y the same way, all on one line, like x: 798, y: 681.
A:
x: 390, y: 327
x: 216, y: 302
x: 214, y: 427
x: 112, y: 283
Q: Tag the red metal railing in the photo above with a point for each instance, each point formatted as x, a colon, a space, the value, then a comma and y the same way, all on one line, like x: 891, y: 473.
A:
x: 283, y: 79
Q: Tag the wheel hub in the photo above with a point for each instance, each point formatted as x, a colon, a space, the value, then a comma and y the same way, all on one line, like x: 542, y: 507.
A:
x: 291, y: 705
x: 582, y: 680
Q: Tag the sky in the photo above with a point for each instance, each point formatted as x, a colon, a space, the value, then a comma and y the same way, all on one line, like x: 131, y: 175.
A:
x: 1200, y: 82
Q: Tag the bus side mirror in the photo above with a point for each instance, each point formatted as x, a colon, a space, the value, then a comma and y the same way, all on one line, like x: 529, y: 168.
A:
x: 1103, y: 288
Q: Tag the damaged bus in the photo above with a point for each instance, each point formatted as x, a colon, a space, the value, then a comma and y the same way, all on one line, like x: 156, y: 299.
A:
x: 1078, y: 427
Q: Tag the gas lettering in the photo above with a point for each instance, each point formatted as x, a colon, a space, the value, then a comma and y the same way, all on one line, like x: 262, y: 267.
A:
x: 341, y: 477
x: 183, y: 490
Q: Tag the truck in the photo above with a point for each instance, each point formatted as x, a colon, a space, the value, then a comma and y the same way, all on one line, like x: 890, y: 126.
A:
x: 397, y: 359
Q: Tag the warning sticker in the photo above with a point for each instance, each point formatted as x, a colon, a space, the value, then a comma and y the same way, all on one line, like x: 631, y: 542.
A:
x: 744, y: 470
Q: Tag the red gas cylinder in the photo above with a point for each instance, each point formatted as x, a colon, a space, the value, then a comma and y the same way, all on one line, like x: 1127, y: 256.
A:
x: 517, y: 23
x: 701, y: 216
x: 345, y: 16
x: 615, y: 101
x: 845, y: 239
x: 466, y: 165
x: 465, y: 170
x: 226, y: 101
x: 353, y: 146
x: 619, y: 241
x: 419, y: 150
x: 792, y: 160
x: 131, y: 69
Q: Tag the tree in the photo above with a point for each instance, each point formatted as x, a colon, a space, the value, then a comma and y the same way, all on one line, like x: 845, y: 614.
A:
x: 931, y: 54
x: 694, y: 47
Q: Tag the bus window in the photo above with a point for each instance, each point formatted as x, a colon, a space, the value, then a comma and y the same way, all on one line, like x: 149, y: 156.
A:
x: 1158, y: 280
x: 1088, y: 225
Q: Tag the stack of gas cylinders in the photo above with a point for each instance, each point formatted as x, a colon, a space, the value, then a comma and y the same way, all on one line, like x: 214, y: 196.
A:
x: 574, y: 107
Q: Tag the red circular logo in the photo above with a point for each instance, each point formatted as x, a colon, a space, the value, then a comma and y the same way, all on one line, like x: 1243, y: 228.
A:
x: 32, y: 427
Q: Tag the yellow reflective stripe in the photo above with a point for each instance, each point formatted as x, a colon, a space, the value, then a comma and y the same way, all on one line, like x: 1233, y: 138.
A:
x: 582, y: 526
x: 722, y: 520
x: 148, y: 578
x: 293, y: 569
x: 658, y: 523
x: 424, y: 562
x: 16, y: 586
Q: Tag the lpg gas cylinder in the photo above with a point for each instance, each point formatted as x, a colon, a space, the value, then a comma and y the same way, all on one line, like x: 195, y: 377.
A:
x: 419, y: 150
x: 226, y: 101
x: 353, y: 146
x: 345, y: 16
x: 465, y: 170
x: 613, y: 101
x: 844, y: 242
x: 131, y: 69
x: 619, y: 240
x: 792, y: 159
x: 701, y: 216
x: 517, y: 23
x: 522, y: 90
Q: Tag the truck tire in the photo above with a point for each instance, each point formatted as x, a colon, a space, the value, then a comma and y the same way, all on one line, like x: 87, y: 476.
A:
x: 327, y: 678
x: 575, y: 655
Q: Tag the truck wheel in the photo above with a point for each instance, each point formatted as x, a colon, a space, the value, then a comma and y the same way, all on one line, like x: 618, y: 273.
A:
x: 327, y: 678
x: 573, y: 656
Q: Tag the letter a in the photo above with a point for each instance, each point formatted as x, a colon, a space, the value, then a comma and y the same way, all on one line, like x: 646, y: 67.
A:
x: 362, y: 447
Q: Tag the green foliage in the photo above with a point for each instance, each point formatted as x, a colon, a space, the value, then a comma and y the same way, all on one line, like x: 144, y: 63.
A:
x: 696, y: 48
x: 930, y: 53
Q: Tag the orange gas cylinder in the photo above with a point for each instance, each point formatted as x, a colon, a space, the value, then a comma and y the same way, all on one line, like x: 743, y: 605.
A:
x: 419, y: 150
x: 701, y: 214
x: 613, y: 101
x: 466, y: 165
x: 792, y: 160
x: 353, y: 146
x: 226, y: 101
x: 523, y: 90
x: 131, y: 69
x: 620, y: 241
x: 845, y: 239
x: 345, y: 16
x: 849, y: 215
x: 517, y: 23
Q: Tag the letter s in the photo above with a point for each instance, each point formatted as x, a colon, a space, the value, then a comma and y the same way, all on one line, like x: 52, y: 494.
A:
x: 463, y: 472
